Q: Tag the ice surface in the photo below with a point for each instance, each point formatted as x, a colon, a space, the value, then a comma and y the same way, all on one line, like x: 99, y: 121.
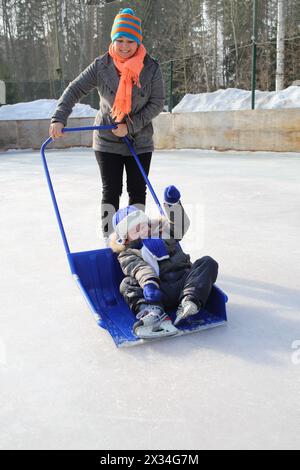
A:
x: 65, y: 385
x: 236, y: 99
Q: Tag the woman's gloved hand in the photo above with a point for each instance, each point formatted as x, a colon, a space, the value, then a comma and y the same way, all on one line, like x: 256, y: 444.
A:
x: 152, y: 293
x: 172, y: 195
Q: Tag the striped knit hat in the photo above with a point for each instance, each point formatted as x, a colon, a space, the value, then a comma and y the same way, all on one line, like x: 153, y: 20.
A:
x: 128, y: 25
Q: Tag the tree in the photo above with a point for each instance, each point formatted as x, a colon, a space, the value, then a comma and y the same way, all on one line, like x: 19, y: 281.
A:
x: 208, y: 41
x: 280, y: 45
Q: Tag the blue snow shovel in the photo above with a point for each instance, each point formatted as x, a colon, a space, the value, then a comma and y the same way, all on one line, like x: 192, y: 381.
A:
x: 98, y: 276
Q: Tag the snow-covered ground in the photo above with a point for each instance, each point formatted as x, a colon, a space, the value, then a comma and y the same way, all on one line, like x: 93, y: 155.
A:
x: 63, y: 382
x: 41, y: 109
x: 236, y: 99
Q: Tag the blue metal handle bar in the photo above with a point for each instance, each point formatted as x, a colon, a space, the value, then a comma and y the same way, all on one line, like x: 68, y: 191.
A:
x: 131, y: 148
x: 89, y: 128
x: 50, y: 185
x: 58, y: 217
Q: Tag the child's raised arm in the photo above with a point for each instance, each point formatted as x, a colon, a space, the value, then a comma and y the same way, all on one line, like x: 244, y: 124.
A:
x: 178, y: 221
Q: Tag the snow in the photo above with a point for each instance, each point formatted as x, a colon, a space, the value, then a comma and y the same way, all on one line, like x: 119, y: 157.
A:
x: 221, y: 100
x: 64, y: 385
x: 235, y: 99
x: 41, y: 109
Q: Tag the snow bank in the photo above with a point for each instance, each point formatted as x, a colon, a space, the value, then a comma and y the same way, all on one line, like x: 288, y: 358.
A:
x: 235, y: 99
x: 221, y: 100
x: 41, y: 109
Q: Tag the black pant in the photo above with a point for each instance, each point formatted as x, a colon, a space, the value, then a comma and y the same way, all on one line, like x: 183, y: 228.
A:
x: 196, y: 283
x: 112, y: 168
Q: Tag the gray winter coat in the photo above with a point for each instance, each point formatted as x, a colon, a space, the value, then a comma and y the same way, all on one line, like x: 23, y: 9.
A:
x: 147, y: 103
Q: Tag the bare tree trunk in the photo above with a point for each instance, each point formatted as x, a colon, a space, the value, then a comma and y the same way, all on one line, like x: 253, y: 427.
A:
x: 280, y: 46
x: 225, y: 48
x: 5, y: 29
x: 204, y: 55
x: 235, y: 44
x: 216, y: 20
x: 184, y: 67
x: 84, y: 20
x: 11, y: 55
x: 48, y: 57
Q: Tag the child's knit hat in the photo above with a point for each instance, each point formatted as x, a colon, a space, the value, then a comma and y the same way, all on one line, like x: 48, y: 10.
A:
x: 128, y: 25
x: 127, y: 219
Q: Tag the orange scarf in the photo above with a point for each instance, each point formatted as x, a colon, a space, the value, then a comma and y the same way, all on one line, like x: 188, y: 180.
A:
x: 130, y: 70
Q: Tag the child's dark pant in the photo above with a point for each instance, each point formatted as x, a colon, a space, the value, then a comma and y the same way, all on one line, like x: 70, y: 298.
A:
x: 196, y: 283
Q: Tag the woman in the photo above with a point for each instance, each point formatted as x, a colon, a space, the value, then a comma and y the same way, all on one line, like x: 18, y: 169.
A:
x: 131, y: 91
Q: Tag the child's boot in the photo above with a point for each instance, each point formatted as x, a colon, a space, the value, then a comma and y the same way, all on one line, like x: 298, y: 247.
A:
x: 153, y: 323
x: 186, y: 309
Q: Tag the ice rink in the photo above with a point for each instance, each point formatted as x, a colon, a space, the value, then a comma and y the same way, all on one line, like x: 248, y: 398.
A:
x: 64, y: 384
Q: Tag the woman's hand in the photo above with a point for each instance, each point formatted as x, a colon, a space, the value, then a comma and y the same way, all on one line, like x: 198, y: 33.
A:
x: 55, y: 130
x: 121, y: 130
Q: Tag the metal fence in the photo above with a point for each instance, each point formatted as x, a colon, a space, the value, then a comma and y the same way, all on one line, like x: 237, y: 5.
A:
x: 182, y: 75
x: 25, y: 91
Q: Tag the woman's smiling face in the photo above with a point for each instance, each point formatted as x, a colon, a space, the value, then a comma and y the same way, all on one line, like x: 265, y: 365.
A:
x: 125, y: 47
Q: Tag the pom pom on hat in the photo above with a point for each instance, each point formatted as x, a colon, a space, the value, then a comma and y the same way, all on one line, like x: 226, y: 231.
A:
x: 129, y: 11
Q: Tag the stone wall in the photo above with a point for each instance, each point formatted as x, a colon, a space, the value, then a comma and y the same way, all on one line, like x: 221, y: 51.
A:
x: 260, y: 130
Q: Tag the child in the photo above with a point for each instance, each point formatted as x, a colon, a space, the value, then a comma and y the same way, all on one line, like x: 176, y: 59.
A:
x: 159, y: 276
